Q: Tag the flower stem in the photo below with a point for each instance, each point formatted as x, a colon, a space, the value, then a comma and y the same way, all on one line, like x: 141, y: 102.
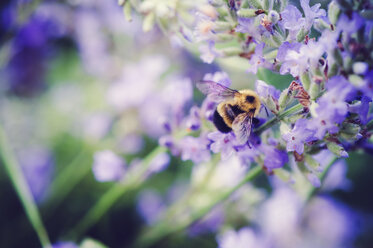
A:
x: 21, y: 187
x: 111, y: 196
x: 65, y: 182
x: 166, y: 228
x: 277, y: 118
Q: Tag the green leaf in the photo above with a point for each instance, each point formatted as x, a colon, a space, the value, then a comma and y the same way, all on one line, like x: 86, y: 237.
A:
x: 21, y: 187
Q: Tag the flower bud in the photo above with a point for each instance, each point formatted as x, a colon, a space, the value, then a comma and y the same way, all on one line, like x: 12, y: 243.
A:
x: 338, y: 150
x: 350, y: 128
x: 277, y: 38
x: 337, y: 56
x: 314, y: 90
x: 284, y: 99
x: 127, y: 9
x: 224, y: 37
x: 356, y: 80
x: 280, y: 5
x: 222, y: 26
x: 333, y: 12
x: 302, y: 34
x: 148, y: 22
x: 312, y: 163
x: 283, y: 175
x: 360, y: 68
x: 247, y: 13
x: 321, y: 25
x: 306, y: 80
x: 333, y: 69
x: 266, y: 4
x: 256, y: 4
x: 273, y: 16
x: 231, y: 51
x: 270, y: 103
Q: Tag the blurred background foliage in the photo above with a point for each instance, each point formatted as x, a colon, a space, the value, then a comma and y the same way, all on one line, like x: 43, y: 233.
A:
x: 58, y: 61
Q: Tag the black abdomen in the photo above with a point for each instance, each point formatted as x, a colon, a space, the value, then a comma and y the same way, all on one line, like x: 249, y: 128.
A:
x: 219, y: 123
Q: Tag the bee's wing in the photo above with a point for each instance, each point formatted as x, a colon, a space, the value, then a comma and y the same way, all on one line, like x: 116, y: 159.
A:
x: 216, y: 92
x: 241, y: 127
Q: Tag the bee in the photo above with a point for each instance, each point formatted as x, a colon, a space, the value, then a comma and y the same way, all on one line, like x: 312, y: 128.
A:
x: 236, y: 109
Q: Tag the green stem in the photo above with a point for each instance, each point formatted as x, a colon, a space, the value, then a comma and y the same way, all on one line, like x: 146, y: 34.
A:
x: 24, y: 193
x: 165, y: 228
x: 65, y: 182
x: 111, y: 196
x: 274, y: 120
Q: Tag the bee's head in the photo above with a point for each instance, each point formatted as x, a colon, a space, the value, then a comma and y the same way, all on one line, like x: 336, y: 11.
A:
x: 249, y: 100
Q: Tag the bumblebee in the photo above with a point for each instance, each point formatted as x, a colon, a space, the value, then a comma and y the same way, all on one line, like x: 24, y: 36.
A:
x: 236, y: 110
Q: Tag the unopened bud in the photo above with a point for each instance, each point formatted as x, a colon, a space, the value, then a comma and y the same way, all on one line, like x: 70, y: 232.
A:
x: 338, y: 150
x: 321, y: 25
x: 231, y: 51
x: 333, y: 70
x: 337, y: 56
x: 127, y: 10
x: 247, y: 13
x: 284, y: 99
x: 280, y: 5
x: 306, y: 80
x: 356, y: 80
x: 314, y: 90
x: 222, y: 26
x: 277, y: 38
x: 333, y: 12
x: 312, y: 163
x: 283, y: 175
x: 302, y: 34
x: 148, y: 22
x: 273, y: 16
x: 256, y: 4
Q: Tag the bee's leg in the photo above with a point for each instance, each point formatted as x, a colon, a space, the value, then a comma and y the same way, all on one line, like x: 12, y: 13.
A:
x: 266, y: 110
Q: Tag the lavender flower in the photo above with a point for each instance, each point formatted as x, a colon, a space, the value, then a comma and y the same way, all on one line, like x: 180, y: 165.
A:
x: 219, y: 77
x: 332, y: 107
x: 107, y: 166
x: 293, y: 21
x: 311, y: 13
x: 245, y: 237
x: 247, y: 25
x: 209, y: 52
x: 193, y: 121
x: 361, y: 108
x: 159, y: 163
x: 299, y: 135
x: 65, y: 244
x: 195, y: 149
x: 265, y: 91
x: 257, y: 59
x: 224, y: 143
x: 273, y: 157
